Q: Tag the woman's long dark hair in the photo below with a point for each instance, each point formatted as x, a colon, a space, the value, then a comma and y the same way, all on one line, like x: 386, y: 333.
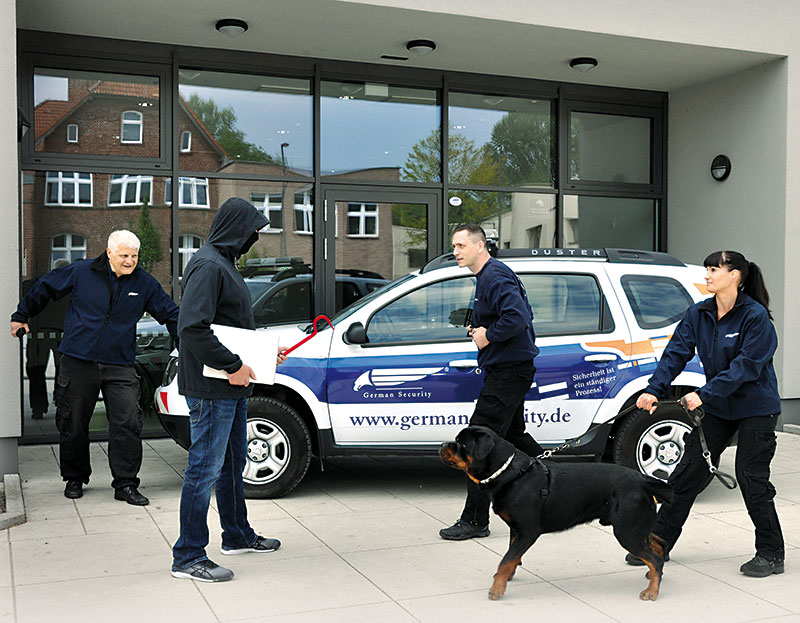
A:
x: 752, y: 282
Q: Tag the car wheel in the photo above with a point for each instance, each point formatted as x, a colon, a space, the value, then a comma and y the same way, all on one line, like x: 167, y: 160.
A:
x: 278, y: 448
x: 654, y: 444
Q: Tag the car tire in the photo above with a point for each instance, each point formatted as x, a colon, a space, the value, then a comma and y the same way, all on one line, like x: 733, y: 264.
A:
x: 278, y: 448
x: 654, y: 444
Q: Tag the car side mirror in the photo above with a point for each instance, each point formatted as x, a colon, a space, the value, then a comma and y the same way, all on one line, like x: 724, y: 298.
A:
x: 355, y: 334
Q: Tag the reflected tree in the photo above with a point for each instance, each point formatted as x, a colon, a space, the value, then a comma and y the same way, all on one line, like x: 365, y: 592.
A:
x: 149, y: 238
x: 221, y: 123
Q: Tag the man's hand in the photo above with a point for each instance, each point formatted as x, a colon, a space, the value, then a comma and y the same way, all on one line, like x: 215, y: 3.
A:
x: 242, y: 376
x: 647, y: 402
x: 692, y: 401
x: 478, y: 335
x: 15, y: 326
x: 281, y: 356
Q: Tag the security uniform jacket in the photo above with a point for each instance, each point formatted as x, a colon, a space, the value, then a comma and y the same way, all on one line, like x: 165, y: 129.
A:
x: 736, y: 352
x: 100, y: 323
x: 501, y: 306
x: 215, y: 293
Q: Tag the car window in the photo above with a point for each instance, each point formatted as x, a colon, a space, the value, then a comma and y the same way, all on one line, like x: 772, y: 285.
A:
x: 347, y: 293
x: 290, y: 303
x: 434, y: 312
x: 382, y: 289
x: 566, y: 304
x: 656, y: 301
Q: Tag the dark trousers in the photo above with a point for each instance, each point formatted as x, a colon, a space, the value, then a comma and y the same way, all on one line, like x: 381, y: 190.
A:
x: 501, y: 407
x: 77, y: 387
x: 37, y: 354
x: 754, y: 452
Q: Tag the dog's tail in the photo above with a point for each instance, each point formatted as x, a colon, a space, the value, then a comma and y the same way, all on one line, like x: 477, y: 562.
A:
x: 659, y: 489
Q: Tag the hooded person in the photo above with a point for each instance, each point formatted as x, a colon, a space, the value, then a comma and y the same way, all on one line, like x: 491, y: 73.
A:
x: 214, y: 292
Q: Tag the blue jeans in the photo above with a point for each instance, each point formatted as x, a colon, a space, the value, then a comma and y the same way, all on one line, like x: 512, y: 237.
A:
x: 217, y: 457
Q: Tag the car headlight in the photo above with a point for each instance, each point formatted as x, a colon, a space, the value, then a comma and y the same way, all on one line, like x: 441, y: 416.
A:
x: 170, y: 371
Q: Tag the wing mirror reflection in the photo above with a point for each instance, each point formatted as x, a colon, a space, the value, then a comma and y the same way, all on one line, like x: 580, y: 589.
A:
x: 355, y: 334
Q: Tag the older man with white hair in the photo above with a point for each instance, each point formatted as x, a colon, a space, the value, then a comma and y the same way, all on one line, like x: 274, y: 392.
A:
x: 108, y: 295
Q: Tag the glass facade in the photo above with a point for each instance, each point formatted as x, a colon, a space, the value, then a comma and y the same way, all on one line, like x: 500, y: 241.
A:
x: 501, y: 141
x: 157, y: 144
x: 380, y: 132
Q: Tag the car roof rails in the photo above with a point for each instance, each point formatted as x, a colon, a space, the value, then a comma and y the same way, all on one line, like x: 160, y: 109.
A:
x: 611, y: 255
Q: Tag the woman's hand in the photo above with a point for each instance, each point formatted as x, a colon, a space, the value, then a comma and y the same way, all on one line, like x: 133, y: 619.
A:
x: 692, y: 401
x: 647, y: 402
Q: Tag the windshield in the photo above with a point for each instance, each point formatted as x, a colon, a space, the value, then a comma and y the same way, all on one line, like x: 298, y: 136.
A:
x: 369, y: 297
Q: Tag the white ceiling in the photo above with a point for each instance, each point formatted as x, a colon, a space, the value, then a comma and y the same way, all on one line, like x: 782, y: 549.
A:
x: 357, y: 32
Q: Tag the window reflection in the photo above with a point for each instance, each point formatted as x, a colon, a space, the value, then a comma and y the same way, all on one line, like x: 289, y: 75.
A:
x: 597, y: 222
x: 380, y: 132
x: 230, y: 119
x: 609, y: 148
x: 500, y: 141
x: 118, y: 114
x: 516, y: 220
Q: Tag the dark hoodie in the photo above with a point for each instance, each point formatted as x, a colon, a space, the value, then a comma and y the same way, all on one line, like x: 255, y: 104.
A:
x: 214, y: 292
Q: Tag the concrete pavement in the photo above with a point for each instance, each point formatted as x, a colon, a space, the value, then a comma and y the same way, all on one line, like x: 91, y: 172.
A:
x: 360, y: 542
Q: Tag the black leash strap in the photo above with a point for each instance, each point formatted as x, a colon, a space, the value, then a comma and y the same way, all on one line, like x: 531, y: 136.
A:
x: 696, y: 418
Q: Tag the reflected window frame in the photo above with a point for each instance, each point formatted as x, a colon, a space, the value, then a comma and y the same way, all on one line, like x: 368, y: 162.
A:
x: 60, y: 181
x: 266, y: 203
x: 131, y: 120
x: 364, y: 216
x: 188, y: 185
x: 69, y: 251
x: 143, y: 188
x: 188, y: 245
x: 72, y: 133
x: 304, y: 214
x: 186, y: 141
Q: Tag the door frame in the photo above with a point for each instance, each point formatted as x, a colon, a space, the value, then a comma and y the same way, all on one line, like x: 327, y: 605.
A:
x: 325, y: 241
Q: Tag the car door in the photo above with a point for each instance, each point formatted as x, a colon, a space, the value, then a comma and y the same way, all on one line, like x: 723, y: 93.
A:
x: 582, y: 341
x: 416, y: 380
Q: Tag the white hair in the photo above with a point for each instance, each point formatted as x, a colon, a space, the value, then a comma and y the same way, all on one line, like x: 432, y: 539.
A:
x: 123, y: 237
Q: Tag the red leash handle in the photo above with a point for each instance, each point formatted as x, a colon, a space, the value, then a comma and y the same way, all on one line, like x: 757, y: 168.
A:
x: 308, y: 337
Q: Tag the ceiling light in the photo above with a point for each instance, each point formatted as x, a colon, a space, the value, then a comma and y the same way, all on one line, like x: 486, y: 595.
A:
x: 583, y: 63
x: 420, y: 47
x: 232, y: 27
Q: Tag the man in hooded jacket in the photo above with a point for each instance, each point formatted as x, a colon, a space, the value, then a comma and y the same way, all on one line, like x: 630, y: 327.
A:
x: 214, y: 292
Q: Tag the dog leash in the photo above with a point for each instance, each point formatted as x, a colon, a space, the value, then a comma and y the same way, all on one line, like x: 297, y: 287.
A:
x: 308, y: 337
x: 695, y: 417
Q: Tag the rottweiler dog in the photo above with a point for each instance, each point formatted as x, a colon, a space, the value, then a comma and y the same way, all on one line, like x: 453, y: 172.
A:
x: 535, y: 497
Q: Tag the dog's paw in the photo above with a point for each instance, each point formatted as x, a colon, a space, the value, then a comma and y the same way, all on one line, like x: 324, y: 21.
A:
x: 648, y: 595
x: 494, y: 596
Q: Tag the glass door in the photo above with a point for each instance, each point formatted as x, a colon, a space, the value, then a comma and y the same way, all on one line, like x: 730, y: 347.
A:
x: 372, y: 237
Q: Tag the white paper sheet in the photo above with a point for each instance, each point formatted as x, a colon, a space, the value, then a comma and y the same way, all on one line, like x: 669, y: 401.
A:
x: 257, y: 349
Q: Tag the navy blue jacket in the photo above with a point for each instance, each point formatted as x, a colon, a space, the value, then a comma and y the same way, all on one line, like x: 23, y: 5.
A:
x: 214, y: 292
x: 100, y: 324
x: 736, y: 353
x: 501, y: 306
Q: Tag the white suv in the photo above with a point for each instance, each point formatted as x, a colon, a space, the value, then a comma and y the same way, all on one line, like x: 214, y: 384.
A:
x: 399, y: 375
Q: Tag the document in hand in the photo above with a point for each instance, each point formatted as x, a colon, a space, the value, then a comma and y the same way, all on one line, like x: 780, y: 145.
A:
x: 255, y: 348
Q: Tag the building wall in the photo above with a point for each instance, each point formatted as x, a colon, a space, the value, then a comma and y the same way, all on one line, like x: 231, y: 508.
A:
x: 10, y: 423
x: 744, y: 117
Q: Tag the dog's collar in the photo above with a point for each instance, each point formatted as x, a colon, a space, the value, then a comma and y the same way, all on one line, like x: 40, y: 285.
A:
x: 498, y: 472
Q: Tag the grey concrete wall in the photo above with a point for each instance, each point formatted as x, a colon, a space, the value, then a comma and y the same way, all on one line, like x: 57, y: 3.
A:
x: 744, y: 117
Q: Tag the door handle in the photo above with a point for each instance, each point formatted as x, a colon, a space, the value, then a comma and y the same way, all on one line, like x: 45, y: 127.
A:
x: 464, y: 363
x: 600, y: 358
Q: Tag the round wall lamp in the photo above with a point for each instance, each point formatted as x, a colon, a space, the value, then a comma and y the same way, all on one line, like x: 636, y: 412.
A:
x: 231, y: 27
x: 583, y: 63
x: 421, y: 47
x: 720, y: 168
